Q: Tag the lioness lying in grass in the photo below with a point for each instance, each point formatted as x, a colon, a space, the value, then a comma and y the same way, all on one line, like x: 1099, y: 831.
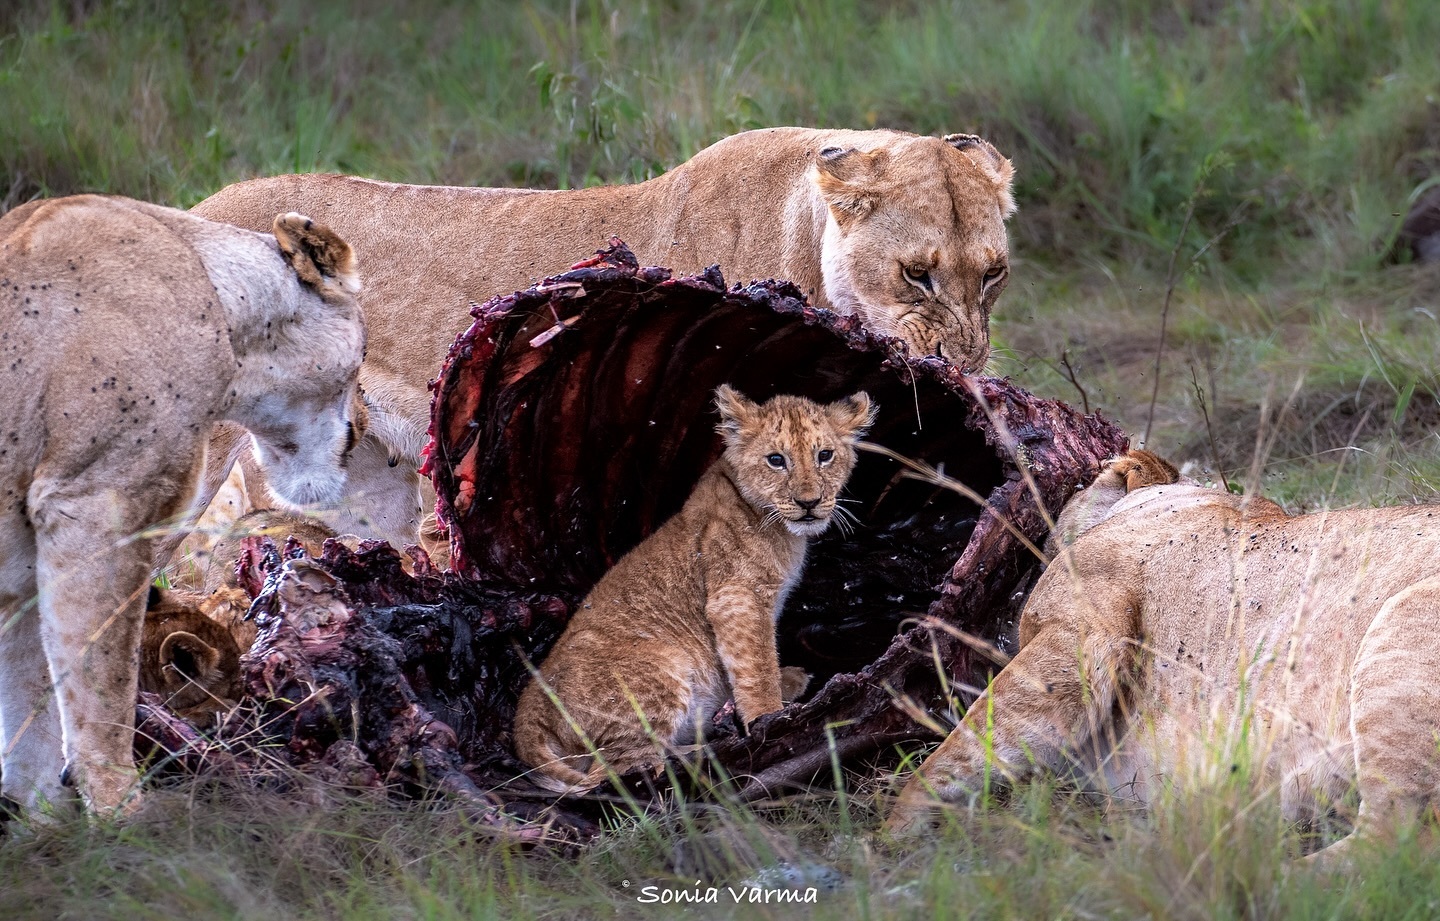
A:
x: 1192, y: 629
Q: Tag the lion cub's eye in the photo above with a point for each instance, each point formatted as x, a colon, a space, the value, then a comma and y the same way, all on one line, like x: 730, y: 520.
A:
x: 918, y: 277
x: 776, y: 460
x: 825, y: 456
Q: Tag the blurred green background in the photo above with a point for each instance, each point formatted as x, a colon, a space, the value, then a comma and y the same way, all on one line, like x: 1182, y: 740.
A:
x: 1293, y: 135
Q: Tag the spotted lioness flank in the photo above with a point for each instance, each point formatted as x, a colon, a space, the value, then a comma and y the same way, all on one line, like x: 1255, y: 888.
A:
x: 687, y: 618
x: 132, y: 330
x: 905, y: 232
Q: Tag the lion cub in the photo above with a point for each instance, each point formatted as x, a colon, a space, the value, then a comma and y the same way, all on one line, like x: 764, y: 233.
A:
x: 687, y: 618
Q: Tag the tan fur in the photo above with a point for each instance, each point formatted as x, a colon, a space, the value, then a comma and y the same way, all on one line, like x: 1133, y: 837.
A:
x: 309, y: 532
x: 1193, y: 626
x: 188, y: 564
x: 192, y: 641
x: 1133, y: 470
x: 687, y: 618
x: 189, y: 651
x: 840, y: 213
x: 128, y: 331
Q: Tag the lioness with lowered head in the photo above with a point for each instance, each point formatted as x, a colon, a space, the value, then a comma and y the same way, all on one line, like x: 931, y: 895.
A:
x: 129, y: 330
x: 908, y: 232
x: 1191, y: 625
x: 687, y: 618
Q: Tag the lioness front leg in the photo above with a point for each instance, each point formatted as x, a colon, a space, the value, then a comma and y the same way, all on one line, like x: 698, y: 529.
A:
x: 92, y: 603
x: 227, y: 444
x: 1049, y: 699
x: 30, y: 735
x: 744, y: 627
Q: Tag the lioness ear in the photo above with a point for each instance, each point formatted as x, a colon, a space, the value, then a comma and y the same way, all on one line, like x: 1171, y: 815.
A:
x: 317, y: 254
x: 844, y: 178
x: 1143, y: 468
x: 984, y: 155
x: 853, y: 414
x: 189, y: 655
x: 735, y: 413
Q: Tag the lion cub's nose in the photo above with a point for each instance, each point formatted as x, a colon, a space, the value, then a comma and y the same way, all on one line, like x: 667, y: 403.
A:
x: 807, y: 504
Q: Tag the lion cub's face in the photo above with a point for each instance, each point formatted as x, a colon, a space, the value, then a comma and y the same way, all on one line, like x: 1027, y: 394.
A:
x: 792, y: 456
x: 915, y: 243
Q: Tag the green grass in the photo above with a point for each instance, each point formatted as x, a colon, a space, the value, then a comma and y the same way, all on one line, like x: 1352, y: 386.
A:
x: 1309, y: 122
x: 1331, y: 387
x: 1295, y: 131
x: 204, y: 851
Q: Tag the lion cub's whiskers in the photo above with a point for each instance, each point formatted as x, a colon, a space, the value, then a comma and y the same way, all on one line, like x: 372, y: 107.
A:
x: 845, y: 519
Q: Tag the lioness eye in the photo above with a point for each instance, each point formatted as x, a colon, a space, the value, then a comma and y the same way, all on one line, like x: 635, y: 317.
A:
x: 993, y: 274
x: 776, y: 460
x: 825, y: 456
x: 920, y: 278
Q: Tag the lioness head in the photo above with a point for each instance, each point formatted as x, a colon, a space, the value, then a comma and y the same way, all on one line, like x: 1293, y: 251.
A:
x: 314, y: 413
x: 792, y: 456
x: 915, y: 240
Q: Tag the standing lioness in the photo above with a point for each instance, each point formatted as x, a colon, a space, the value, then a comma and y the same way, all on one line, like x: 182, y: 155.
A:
x: 126, y: 331
x: 906, y: 231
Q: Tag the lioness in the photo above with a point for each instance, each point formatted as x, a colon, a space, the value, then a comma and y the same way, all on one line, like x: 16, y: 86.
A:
x: 687, y: 618
x: 1192, y: 626
x: 906, y: 231
x: 128, y: 331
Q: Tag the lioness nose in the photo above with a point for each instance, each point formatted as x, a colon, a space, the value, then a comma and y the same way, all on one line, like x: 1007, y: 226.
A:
x: 807, y: 504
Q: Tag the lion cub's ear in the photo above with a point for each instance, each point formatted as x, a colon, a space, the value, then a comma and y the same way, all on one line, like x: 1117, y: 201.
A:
x: 736, y: 414
x: 185, y: 657
x: 1142, y: 468
x: 317, y: 254
x: 853, y: 414
x: 994, y: 164
x: 845, y: 178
